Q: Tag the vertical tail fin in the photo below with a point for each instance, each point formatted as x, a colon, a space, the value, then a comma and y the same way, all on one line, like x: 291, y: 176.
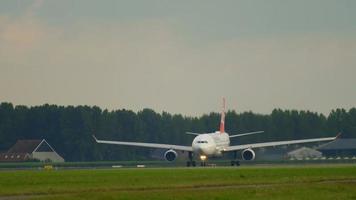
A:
x: 222, y: 121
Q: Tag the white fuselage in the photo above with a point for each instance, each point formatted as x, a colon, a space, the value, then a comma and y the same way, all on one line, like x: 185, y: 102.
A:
x: 210, y: 144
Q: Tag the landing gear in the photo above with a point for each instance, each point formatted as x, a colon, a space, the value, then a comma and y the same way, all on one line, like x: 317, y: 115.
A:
x: 191, y: 162
x: 203, y: 163
x: 235, y: 161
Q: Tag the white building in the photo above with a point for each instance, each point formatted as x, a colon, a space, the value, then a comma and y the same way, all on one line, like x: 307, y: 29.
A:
x: 304, y: 153
x: 25, y: 150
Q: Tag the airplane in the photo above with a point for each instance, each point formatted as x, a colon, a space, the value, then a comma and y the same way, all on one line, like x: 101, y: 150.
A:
x: 214, y: 144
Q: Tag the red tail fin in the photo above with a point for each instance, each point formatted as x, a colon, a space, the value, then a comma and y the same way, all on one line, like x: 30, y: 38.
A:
x: 222, y: 121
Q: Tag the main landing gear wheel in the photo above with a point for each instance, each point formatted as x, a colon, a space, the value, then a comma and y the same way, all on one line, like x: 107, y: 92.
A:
x: 191, y: 163
x: 235, y: 162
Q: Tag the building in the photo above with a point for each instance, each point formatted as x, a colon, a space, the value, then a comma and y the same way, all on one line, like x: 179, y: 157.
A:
x: 27, y: 150
x: 339, y: 148
x: 304, y: 153
x: 270, y: 153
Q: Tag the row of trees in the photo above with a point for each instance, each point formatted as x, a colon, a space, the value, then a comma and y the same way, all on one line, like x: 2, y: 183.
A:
x: 69, y: 129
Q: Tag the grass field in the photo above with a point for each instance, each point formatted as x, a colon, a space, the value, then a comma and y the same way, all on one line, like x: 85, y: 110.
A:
x: 291, y: 182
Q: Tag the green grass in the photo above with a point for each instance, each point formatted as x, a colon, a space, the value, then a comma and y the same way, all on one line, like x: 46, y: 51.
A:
x: 293, y: 182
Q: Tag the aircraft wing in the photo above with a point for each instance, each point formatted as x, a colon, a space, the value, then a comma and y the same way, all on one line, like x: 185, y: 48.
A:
x: 278, y: 143
x: 151, y: 145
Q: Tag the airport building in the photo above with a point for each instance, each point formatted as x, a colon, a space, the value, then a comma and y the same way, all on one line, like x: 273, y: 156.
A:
x: 304, y: 153
x: 339, y: 148
x: 31, y: 150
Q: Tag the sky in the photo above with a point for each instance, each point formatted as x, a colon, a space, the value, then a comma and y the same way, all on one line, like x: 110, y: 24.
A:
x: 179, y: 56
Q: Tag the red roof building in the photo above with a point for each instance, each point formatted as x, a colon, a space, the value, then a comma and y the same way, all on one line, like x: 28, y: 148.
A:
x: 26, y: 150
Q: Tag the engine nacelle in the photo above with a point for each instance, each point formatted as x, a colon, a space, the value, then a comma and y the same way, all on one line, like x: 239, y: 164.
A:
x: 170, y: 155
x: 248, y: 154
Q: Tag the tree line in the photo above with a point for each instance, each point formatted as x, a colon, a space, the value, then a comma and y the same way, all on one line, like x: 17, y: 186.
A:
x: 69, y: 129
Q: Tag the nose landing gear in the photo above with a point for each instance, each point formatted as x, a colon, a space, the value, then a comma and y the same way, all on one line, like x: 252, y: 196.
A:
x: 203, y: 160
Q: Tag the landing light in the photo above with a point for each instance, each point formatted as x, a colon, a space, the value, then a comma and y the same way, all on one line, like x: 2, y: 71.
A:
x: 203, y: 157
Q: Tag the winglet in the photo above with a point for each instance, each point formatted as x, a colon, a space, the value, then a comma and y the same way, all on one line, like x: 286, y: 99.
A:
x: 338, y: 135
x: 96, y: 140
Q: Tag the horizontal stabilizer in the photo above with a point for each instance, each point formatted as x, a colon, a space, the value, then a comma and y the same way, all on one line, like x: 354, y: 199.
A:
x: 191, y: 133
x: 244, y: 134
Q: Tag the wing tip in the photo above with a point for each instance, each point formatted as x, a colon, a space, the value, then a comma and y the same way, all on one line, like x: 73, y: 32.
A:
x: 338, y: 135
x: 95, y: 138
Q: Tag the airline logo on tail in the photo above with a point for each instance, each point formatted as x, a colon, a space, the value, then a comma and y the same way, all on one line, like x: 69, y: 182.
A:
x: 222, y: 121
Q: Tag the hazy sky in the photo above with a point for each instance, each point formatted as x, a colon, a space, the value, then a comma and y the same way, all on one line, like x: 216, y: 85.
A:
x: 180, y: 56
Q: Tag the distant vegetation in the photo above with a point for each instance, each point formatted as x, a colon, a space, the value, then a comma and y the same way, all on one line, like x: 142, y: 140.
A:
x: 68, y: 129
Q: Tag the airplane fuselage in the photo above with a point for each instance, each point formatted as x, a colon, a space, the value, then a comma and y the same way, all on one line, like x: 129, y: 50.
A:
x: 210, y: 144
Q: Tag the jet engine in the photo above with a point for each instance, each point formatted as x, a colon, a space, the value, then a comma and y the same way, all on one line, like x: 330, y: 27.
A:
x: 248, y: 154
x: 170, y: 155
